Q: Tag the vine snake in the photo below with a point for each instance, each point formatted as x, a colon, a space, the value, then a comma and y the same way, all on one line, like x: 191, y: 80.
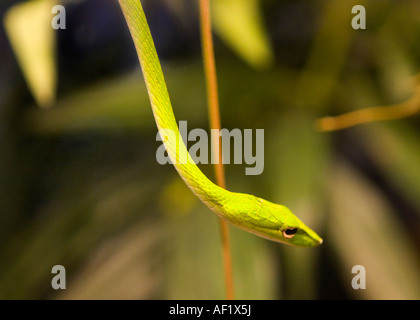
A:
x: 253, y: 214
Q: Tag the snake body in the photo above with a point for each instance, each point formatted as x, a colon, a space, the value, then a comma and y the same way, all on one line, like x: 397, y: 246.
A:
x: 256, y: 215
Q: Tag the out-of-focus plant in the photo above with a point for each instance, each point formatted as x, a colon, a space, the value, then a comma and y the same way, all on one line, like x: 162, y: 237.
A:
x: 84, y: 184
x: 28, y: 27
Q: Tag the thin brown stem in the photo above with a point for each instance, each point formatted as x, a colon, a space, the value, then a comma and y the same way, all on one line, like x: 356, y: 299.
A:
x: 214, y: 118
x: 368, y: 115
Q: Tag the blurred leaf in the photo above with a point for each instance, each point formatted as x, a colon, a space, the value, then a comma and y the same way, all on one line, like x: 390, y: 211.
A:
x: 28, y: 26
x: 395, y: 148
x: 194, y: 268
x: 66, y: 231
x: 363, y: 231
x: 123, y: 267
x: 175, y: 195
x: 327, y: 56
x: 240, y: 24
x: 112, y: 104
x: 120, y: 103
x: 296, y: 165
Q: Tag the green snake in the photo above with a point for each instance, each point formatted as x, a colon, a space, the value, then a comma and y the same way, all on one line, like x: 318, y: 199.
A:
x: 253, y: 214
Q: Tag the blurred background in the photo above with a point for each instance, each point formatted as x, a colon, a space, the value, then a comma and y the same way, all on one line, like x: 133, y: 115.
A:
x: 80, y: 185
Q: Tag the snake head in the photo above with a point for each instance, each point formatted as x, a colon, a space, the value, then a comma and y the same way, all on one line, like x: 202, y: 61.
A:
x: 299, y: 234
x: 274, y: 222
x: 293, y: 230
x: 288, y: 229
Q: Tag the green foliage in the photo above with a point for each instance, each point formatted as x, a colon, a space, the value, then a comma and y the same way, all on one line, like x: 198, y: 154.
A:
x: 81, y: 186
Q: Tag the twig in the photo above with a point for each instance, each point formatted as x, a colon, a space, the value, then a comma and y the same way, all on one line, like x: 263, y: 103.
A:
x: 214, y: 118
x: 392, y: 112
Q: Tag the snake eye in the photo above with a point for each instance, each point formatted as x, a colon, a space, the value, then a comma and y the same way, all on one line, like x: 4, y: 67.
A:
x: 289, y: 232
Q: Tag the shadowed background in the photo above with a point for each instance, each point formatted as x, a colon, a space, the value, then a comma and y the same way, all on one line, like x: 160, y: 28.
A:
x: 81, y: 187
